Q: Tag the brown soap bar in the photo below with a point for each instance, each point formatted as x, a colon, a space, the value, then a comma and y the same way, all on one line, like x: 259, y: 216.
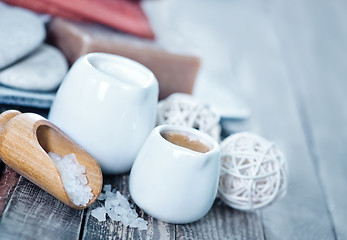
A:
x: 175, y: 72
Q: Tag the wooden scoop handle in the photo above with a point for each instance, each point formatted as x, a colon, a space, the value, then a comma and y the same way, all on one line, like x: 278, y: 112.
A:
x: 7, y: 116
x: 25, y: 140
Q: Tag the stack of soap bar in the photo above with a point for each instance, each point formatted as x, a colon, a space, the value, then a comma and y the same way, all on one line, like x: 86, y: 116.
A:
x: 175, y: 72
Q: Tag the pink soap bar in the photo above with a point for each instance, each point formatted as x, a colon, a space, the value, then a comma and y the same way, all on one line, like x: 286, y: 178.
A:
x: 119, y: 14
x: 175, y: 72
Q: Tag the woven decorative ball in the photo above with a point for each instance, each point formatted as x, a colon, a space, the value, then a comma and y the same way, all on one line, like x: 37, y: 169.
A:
x: 253, y: 172
x: 183, y: 109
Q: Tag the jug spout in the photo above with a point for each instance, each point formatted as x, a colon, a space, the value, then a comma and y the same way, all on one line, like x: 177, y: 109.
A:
x: 121, y: 70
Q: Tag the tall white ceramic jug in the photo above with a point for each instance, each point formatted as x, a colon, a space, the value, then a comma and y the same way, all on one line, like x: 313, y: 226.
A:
x: 107, y: 104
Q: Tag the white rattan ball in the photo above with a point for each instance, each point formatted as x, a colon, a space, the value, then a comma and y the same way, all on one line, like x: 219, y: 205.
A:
x: 183, y: 109
x: 253, y: 172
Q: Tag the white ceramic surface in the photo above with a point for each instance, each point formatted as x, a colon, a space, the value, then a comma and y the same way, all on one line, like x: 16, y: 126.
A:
x: 107, y: 104
x: 173, y: 183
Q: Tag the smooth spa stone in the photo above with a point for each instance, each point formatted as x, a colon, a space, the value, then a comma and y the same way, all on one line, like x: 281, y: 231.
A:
x: 21, y: 31
x: 43, y: 70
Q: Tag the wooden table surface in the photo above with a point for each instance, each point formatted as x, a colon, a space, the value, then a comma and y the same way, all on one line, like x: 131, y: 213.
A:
x: 290, y: 65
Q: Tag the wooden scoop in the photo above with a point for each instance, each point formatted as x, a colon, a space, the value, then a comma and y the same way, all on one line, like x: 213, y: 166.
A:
x: 25, y: 140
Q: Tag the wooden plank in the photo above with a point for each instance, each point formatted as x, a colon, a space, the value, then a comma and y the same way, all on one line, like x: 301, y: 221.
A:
x: 321, y: 86
x: 223, y: 222
x: 115, y: 230
x: 8, y: 181
x: 302, y: 213
x: 316, y: 59
x: 34, y: 214
x: 265, y: 81
x: 326, y: 118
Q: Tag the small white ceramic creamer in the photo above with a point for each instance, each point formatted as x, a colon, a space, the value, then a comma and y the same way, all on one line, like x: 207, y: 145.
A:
x: 107, y: 104
x: 173, y: 183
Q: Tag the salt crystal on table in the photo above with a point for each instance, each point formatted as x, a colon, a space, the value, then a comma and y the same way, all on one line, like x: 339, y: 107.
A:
x: 99, y: 213
x: 141, y: 224
x: 118, y: 208
x: 73, y: 177
x: 107, y: 188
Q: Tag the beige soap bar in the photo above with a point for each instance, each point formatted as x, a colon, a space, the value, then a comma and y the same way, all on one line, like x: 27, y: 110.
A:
x: 175, y: 72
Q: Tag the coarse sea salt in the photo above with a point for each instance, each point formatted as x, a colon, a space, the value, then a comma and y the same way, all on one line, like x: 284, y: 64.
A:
x: 73, y: 177
x: 118, y: 208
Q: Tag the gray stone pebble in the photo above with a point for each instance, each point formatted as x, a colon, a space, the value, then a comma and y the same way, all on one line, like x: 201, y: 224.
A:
x: 43, y: 70
x: 21, y: 32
